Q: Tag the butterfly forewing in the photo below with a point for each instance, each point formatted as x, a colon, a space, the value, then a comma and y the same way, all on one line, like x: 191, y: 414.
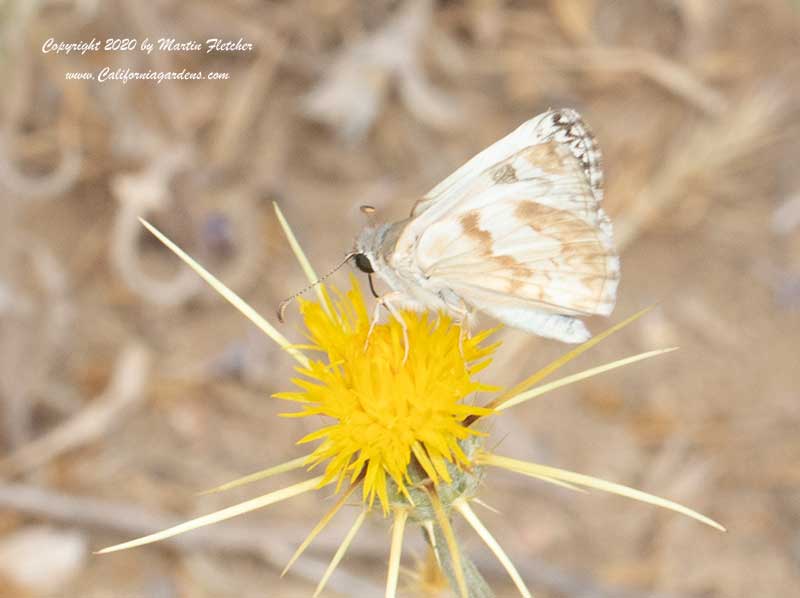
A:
x: 517, y: 231
x: 533, y: 149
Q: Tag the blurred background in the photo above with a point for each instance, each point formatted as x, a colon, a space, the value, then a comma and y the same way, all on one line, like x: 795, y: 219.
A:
x: 127, y: 386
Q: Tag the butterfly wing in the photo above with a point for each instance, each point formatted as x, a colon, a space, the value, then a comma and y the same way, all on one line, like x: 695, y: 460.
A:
x: 523, y: 237
x: 529, y: 140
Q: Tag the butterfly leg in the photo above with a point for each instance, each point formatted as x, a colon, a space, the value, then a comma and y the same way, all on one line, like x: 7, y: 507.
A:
x: 386, y: 301
x: 462, y: 320
x: 461, y: 314
x: 376, y: 313
x: 399, y: 318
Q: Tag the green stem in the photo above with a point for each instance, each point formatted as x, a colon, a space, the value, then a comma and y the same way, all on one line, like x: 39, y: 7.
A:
x: 476, y: 585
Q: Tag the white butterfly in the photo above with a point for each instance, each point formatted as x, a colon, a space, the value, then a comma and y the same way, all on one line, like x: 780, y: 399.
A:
x: 517, y: 232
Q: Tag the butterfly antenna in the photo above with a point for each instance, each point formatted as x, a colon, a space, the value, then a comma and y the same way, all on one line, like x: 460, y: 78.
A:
x: 288, y: 300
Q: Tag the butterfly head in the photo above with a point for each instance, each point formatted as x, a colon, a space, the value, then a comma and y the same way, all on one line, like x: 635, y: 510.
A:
x: 368, y: 247
x: 369, y: 251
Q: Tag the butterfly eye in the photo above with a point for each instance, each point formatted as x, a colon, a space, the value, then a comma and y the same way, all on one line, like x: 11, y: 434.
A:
x: 362, y: 263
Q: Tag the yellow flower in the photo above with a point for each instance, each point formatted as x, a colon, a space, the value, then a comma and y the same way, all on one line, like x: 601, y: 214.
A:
x: 400, y: 429
x: 386, y: 410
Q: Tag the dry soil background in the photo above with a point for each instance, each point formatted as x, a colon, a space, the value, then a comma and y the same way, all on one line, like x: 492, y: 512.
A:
x: 126, y: 386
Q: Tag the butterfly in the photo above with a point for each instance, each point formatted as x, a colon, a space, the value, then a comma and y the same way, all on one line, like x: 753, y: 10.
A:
x: 517, y: 233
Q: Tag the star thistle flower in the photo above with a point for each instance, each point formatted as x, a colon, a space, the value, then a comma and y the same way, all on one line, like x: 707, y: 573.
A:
x: 385, y: 412
x: 400, y: 430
